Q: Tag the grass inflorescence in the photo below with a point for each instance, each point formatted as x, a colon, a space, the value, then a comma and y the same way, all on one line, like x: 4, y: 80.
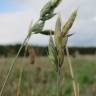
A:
x: 56, y: 49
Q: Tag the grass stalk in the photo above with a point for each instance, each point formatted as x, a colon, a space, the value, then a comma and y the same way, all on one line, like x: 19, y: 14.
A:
x: 72, y: 73
x: 58, y: 81
x: 19, y: 82
x: 21, y: 72
x: 11, y: 67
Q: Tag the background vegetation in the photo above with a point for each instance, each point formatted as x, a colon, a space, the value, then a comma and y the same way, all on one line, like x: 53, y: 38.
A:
x: 39, y: 79
x: 11, y: 50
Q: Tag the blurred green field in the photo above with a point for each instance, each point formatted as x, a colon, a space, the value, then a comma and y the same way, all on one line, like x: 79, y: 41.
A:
x: 39, y: 79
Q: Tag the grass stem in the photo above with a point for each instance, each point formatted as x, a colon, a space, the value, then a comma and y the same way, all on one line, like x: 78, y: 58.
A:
x: 71, y: 72
x: 21, y: 72
x: 11, y: 67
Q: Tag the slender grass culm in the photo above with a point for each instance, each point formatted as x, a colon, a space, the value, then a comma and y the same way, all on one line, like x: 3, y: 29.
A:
x: 21, y: 73
x: 74, y: 82
x: 46, y: 13
x: 56, y: 49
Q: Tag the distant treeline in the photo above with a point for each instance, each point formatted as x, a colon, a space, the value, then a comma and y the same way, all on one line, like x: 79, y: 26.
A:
x: 11, y: 50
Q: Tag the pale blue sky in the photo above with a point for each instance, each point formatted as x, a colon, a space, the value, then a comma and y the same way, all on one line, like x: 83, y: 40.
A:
x: 9, y: 6
x: 15, y: 17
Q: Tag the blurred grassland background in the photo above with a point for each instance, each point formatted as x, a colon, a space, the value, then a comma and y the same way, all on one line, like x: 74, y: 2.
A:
x: 39, y: 79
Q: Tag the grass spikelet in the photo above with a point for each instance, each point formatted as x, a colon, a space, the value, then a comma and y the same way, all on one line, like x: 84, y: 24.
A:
x: 38, y: 26
x: 48, y: 16
x: 57, y: 34
x: 48, y: 8
x: 55, y: 3
x: 69, y: 23
x: 52, y: 52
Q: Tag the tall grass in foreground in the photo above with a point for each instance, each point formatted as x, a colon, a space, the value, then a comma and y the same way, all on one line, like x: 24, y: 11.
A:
x: 56, y: 50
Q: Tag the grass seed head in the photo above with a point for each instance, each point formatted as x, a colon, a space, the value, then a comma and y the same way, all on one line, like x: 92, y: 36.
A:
x: 58, y: 36
x: 69, y: 23
x: 47, y: 17
x: 38, y: 26
x: 49, y: 8
x: 52, y: 52
x: 64, y: 42
x: 55, y: 3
